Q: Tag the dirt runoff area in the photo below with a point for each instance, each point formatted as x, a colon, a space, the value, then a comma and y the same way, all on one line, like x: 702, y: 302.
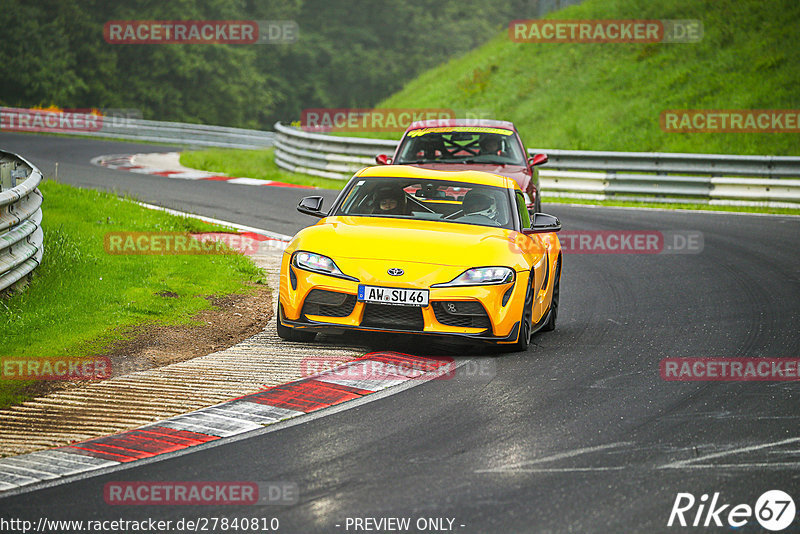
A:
x: 230, y: 320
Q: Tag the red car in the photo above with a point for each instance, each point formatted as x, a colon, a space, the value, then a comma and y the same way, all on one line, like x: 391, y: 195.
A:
x: 463, y: 144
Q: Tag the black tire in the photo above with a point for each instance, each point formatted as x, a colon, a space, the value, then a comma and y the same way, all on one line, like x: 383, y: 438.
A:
x: 551, y: 321
x: 290, y: 334
x: 525, y: 324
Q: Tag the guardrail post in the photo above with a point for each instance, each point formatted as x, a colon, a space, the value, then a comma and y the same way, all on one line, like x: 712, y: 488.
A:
x: 18, y: 172
x: 5, y: 175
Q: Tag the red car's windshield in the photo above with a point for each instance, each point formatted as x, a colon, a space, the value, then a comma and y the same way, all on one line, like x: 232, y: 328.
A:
x: 460, y: 144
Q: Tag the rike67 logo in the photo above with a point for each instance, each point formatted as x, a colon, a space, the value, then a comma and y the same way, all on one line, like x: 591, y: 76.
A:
x: 774, y: 511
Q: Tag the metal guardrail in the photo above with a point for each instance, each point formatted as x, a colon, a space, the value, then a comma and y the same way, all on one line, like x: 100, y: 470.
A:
x: 21, y: 237
x: 771, y: 181
x: 19, y: 119
x: 326, y: 155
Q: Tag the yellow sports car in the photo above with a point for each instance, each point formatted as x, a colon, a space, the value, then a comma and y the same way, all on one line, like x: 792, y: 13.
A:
x: 420, y: 251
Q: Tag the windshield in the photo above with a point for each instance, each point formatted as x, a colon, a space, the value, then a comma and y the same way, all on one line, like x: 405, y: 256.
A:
x: 461, y: 144
x: 431, y: 200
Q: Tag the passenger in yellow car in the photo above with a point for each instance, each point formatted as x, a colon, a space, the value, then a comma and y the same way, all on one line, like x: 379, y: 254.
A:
x: 479, y: 203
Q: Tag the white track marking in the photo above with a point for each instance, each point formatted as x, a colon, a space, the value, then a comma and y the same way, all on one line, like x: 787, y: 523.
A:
x: 248, y: 181
x: 520, y: 467
x: 557, y: 469
x: 687, y: 463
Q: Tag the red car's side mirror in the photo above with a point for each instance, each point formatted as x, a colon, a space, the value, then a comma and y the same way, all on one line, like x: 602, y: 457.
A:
x: 383, y: 159
x: 537, y: 159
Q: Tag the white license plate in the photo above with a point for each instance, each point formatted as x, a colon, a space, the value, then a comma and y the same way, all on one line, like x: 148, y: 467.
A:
x: 393, y: 295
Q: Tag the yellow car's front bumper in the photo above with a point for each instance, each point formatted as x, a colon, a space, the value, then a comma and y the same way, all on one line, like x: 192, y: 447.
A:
x: 319, y: 302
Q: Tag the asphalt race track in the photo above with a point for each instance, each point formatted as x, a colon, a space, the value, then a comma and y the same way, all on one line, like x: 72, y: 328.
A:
x: 579, y: 434
x: 262, y: 207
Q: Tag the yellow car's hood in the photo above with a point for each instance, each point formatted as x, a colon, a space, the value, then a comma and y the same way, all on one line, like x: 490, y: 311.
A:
x: 406, y: 240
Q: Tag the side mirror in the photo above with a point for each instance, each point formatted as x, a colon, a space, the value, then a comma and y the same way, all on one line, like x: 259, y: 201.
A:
x: 543, y: 224
x: 383, y: 159
x: 538, y: 159
x: 311, y: 206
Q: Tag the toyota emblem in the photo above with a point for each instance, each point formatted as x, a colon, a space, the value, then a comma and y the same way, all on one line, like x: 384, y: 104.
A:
x: 395, y: 272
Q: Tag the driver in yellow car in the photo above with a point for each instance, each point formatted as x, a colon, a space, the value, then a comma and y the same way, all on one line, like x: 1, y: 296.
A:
x: 390, y: 201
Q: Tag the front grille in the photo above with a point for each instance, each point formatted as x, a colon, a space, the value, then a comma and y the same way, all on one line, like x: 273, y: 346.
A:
x: 461, y: 313
x: 394, y: 317
x: 328, y: 303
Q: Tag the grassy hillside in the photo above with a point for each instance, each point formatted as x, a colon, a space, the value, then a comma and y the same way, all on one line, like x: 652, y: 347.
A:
x: 609, y: 96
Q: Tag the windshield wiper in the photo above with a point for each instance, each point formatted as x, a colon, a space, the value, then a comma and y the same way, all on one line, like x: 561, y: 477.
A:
x: 416, y: 162
x: 489, y: 162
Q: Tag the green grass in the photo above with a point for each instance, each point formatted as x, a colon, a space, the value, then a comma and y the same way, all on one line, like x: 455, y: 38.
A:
x: 81, y: 298
x: 259, y: 164
x: 582, y: 96
x: 669, y: 205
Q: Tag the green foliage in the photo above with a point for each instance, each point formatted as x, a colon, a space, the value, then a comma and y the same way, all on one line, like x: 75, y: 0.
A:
x: 64, y: 61
x: 349, y: 54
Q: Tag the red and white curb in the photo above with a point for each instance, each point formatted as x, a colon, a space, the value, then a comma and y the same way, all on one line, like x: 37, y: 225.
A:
x: 356, y: 379
x: 128, y: 162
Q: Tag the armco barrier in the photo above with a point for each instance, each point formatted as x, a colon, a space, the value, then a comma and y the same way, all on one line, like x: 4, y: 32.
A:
x: 21, y: 237
x: 19, y: 119
x: 326, y: 155
x: 772, y: 181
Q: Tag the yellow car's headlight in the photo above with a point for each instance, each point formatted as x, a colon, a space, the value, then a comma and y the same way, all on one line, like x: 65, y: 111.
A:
x: 317, y: 263
x: 481, y: 276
